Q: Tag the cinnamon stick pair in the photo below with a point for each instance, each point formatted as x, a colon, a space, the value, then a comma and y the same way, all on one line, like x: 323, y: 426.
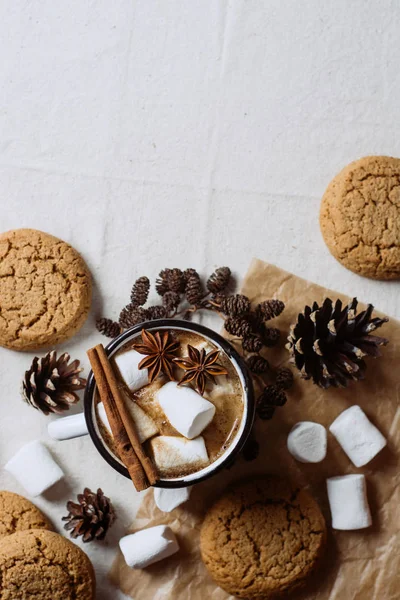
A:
x: 140, y: 467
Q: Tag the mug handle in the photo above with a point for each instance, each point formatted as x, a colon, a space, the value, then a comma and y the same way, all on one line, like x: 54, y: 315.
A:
x: 68, y: 428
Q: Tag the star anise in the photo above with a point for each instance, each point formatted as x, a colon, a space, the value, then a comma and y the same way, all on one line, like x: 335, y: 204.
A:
x: 159, y: 349
x: 200, y: 366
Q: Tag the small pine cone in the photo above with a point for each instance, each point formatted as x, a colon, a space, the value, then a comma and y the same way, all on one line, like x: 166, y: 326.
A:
x: 176, y: 281
x: 194, y: 290
x: 219, y: 280
x: 187, y: 273
x: 237, y: 305
x: 91, y: 517
x: 252, y: 343
x: 271, y: 308
x: 257, y: 364
x: 171, y: 300
x: 273, y: 396
x: 284, y: 378
x: 140, y: 291
x: 265, y: 412
x: 162, y: 285
x: 251, y: 449
x: 108, y: 327
x: 237, y: 327
x: 271, y: 336
x: 131, y: 316
x: 156, y: 312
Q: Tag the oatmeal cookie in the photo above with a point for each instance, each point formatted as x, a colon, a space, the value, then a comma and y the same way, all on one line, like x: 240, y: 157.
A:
x: 360, y: 217
x: 18, y: 514
x: 262, y: 538
x: 45, y: 290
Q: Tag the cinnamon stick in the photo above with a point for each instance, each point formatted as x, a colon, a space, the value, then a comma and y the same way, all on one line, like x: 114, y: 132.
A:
x: 121, y: 438
x: 129, y: 425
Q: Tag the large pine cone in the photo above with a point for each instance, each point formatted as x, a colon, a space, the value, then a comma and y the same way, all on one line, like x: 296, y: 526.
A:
x: 328, y: 343
x: 50, y: 383
x: 91, y: 517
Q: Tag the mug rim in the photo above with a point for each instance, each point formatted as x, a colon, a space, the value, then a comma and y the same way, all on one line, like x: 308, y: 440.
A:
x: 239, y: 365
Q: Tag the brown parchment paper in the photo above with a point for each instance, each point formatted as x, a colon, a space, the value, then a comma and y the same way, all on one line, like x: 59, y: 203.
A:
x: 358, y: 565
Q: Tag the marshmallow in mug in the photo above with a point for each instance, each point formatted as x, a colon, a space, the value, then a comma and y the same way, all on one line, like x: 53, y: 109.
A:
x: 307, y: 442
x: 348, y: 502
x: 167, y: 500
x: 148, y: 546
x: 34, y: 468
x: 172, y: 453
x: 359, y: 438
x: 128, y: 366
x: 187, y: 411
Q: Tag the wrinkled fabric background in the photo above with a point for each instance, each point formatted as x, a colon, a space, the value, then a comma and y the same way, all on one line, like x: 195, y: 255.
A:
x: 358, y: 565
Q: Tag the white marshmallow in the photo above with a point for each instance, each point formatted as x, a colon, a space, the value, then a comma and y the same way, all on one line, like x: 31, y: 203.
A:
x: 148, y: 546
x: 67, y: 428
x: 185, y: 409
x: 306, y: 442
x: 174, y: 453
x: 127, y: 364
x: 168, y: 499
x: 145, y: 426
x: 359, y: 438
x: 34, y: 468
x: 348, y: 502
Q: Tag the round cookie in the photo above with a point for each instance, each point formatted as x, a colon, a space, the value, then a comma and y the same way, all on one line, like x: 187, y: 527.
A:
x: 360, y: 217
x: 40, y: 565
x: 262, y: 538
x: 45, y: 290
x: 18, y: 514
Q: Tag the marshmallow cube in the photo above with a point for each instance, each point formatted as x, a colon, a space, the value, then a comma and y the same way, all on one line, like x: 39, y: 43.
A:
x: 148, y: 546
x: 348, y: 502
x: 174, y: 453
x: 67, y: 428
x: 34, y: 468
x: 127, y: 364
x: 307, y: 442
x: 145, y: 426
x: 185, y: 409
x: 167, y: 500
x: 359, y: 438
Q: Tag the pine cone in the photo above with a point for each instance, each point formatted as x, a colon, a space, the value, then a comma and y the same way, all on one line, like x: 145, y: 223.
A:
x: 131, y: 316
x: 51, y: 383
x: 219, y: 280
x: 140, y: 291
x: 251, y: 449
x: 273, y: 396
x: 162, y: 285
x: 171, y: 301
x: 252, y: 343
x: 91, y: 518
x: 237, y: 305
x: 271, y: 336
x: 108, y: 327
x: 265, y: 412
x: 328, y: 343
x: 271, y: 308
x: 257, y: 364
x: 156, y: 312
x: 187, y: 273
x: 176, y: 281
x: 237, y: 327
x: 194, y: 290
x: 284, y: 378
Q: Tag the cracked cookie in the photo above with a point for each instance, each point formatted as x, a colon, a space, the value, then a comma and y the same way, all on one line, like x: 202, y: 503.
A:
x: 360, y: 217
x: 262, y: 538
x: 18, y: 514
x: 45, y: 290
x: 40, y: 565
